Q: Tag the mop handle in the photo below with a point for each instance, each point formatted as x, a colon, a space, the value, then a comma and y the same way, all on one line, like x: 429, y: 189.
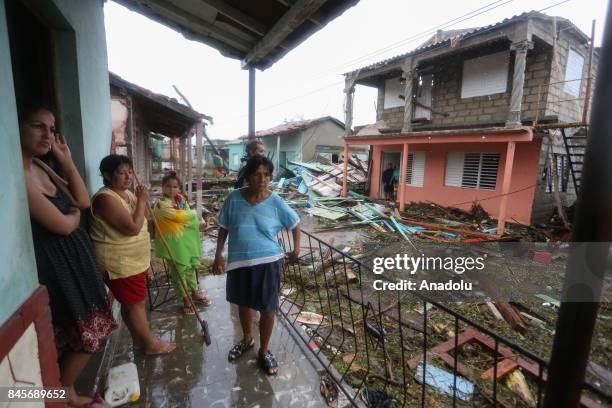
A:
x: 150, y: 212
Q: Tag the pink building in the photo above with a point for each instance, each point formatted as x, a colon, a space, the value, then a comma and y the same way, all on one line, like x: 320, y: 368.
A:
x: 494, y: 115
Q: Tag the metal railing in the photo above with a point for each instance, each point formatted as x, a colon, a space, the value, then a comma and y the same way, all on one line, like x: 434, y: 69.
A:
x: 564, y: 99
x: 400, y: 348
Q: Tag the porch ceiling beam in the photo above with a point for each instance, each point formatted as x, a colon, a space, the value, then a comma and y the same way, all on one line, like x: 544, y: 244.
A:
x: 301, y: 11
x: 238, y: 16
x: 199, y: 28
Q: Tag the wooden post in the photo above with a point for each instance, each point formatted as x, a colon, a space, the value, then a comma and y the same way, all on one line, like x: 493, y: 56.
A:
x: 199, y: 169
x: 587, y: 94
x: 403, y: 171
x: 189, y: 165
x: 408, y: 76
x: 181, y: 171
x: 277, y: 155
x: 507, y: 178
x: 345, y: 170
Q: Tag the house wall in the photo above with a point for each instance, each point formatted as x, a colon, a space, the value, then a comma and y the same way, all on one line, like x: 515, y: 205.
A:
x: 480, y: 109
x: 83, y: 90
x: 18, y: 276
x: 543, y: 203
x: 290, y: 143
x: 235, y: 150
x: 523, y: 181
x: 326, y: 133
x: 84, y: 112
x: 566, y: 106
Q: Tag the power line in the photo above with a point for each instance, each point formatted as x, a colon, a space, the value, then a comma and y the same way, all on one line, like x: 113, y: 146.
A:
x: 411, y: 38
x: 439, y: 46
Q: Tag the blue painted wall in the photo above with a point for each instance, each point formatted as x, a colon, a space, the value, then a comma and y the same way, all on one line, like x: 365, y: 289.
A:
x: 84, y: 99
x: 17, y: 270
x: 235, y: 149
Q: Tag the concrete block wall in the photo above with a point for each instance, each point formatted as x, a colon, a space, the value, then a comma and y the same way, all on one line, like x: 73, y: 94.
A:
x: 543, y: 203
x: 481, y: 109
x: 558, y: 104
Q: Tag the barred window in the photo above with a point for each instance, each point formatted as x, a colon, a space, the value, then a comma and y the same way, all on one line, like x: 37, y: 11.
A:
x: 472, y: 170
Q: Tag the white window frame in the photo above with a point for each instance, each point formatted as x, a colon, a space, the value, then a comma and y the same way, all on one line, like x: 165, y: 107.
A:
x: 475, y: 170
x: 393, y: 90
x: 415, y: 172
x: 485, y: 75
x: 573, y: 72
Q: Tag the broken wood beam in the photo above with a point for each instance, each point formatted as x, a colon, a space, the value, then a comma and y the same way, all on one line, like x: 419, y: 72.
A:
x: 427, y: 225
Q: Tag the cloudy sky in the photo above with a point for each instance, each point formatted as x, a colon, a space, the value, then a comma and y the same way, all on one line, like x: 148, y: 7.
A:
x: 307, y: 82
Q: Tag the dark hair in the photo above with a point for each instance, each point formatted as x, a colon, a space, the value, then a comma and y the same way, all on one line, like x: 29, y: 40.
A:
x: 171, y: 176
x: 25, y: 112
x: 110, y: 163
x: 253, y: 164
x: 252, y: 145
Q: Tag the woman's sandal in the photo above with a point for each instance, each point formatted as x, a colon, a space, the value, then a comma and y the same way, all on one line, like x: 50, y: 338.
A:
x: 95, y: 399
x: 198, y: 297
x: 268, y: 363
x: 239, y: 349
x: 188, y: 310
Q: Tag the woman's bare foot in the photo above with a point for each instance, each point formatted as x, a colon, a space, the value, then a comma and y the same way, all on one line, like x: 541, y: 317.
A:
x: 159, y: 346
x: 76, y: 400
x: 199, y: 297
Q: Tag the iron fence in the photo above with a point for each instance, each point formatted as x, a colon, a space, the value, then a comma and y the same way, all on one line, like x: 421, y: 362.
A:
x: 401, y: 348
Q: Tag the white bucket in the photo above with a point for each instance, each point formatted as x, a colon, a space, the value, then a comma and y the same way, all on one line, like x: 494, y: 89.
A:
x: 122, y: 385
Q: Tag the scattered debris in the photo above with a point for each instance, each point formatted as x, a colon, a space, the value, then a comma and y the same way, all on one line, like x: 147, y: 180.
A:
x: 328, y: 388
x: 444, y: 381
x: 309, y: 318
x: 516, y: 382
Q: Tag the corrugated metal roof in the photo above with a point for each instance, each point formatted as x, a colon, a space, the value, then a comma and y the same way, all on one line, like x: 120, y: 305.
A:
x: 450, y: 36
x: 165, y: 115
x: 294, y: 126
x: 257, y: 32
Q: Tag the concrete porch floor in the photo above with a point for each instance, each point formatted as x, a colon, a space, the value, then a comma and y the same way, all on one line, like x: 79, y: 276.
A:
x: 199, y: 376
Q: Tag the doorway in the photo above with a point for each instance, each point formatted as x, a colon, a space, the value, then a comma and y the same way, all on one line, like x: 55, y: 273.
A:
x: 394, y: 158
x: 31, y: 47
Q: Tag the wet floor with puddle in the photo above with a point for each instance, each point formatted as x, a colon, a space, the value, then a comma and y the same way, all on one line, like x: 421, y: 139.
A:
x: 199, y: 376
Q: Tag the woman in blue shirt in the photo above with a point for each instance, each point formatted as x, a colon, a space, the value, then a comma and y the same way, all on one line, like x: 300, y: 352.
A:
x: 252, y: 217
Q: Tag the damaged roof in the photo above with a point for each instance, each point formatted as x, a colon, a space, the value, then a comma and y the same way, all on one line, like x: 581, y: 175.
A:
x: 291, y: 127
x: 450, y: 37
x: 259, y: 33
x: 164, y: 115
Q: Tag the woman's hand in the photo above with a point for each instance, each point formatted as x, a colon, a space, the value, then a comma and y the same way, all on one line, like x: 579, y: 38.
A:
x: 293, y: 256
x: 142, y: 193
x: 218, y: 266
x: 60, y: 150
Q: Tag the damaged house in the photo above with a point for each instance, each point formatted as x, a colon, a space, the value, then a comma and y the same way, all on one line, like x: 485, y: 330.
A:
x: 155, y: 131
x: 304, y: 140
x: 494, y: 115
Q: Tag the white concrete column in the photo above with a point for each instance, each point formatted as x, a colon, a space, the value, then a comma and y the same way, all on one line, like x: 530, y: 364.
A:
x: 518, y: 81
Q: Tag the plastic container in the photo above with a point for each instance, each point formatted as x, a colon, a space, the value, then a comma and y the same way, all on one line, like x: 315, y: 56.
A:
x: 122, y: 385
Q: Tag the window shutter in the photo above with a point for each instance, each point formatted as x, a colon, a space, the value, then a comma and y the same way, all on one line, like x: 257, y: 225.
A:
x: 454, y: 169
x: 489, y: 165
x: 393, y: 89
x: 573, y: 72
x: 485, y: 75
x: 415, y: 173
x: 472, y: 170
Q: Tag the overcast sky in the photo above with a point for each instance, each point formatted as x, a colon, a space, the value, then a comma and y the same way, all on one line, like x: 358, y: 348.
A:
x: 307, y: 82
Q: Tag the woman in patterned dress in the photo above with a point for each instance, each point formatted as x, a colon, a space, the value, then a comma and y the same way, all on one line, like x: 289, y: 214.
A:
x: 64, y: 256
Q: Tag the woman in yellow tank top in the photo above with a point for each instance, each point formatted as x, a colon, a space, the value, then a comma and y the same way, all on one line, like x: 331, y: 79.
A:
x: 123, y: 247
